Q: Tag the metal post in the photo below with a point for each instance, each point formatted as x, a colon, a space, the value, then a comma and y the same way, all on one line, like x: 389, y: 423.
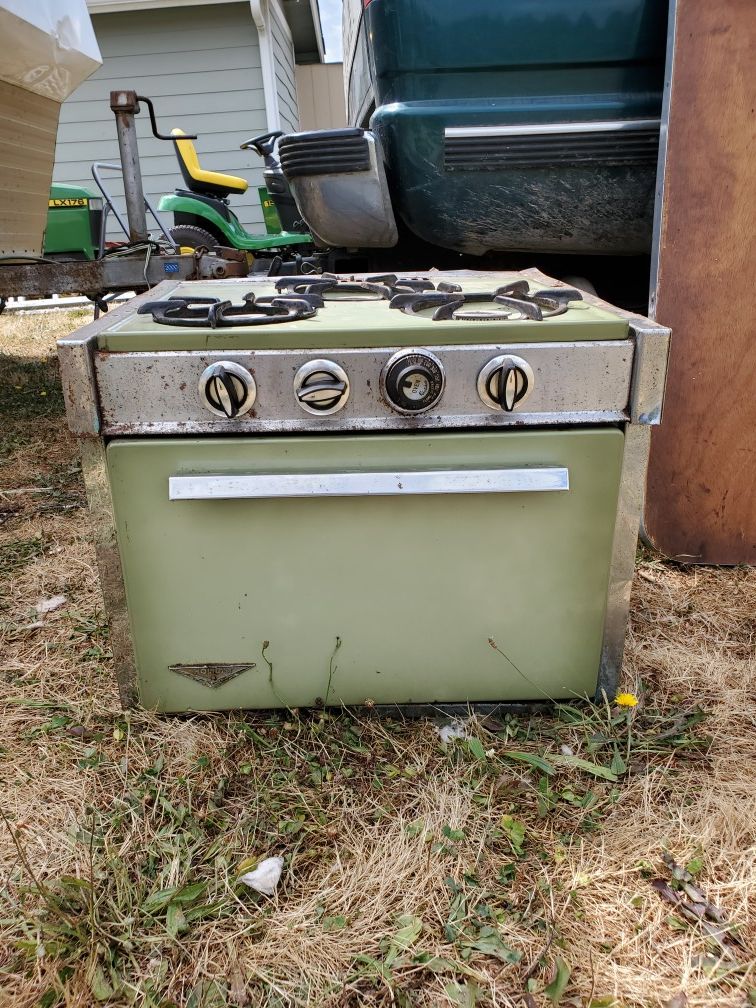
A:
x: 125, y: 106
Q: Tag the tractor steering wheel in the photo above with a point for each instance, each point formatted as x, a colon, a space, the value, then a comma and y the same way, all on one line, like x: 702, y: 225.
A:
x: 263, y: 144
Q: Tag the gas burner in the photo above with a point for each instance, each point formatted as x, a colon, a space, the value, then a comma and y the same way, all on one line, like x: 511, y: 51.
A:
x: 375, y: 288
x: 212, y: 313
x: 513, y: 301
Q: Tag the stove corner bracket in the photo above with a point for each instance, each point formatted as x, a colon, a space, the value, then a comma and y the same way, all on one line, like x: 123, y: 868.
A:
x: 649, y: 371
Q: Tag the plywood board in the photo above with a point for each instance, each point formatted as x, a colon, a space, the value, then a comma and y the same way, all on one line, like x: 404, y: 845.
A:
x: 320, y: 88
x: 701, y: 501
x: 28, y: 124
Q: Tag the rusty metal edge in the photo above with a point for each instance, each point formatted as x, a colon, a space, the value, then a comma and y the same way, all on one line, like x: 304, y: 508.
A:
x: 114, y: 273
x: 92, y: 450
x: 75, y: 353
x: 76, y: 359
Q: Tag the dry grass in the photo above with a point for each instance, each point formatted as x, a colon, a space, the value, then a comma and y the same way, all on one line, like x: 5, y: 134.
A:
x: 414, y: 876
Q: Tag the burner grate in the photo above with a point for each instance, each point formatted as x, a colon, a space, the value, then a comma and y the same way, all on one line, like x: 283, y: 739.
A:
x: 300, y: 297
x: 513, y: 301
x: 212, y: 313
x: 375, y: 288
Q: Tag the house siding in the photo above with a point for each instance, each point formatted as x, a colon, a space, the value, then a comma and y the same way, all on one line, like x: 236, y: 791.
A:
x: 201, y: 67
x: 284, y: 63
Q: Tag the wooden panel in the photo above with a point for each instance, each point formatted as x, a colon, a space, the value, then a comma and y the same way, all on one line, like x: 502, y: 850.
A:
x: 701, y: 503
x: 28, y: 123
x: 320, y: 90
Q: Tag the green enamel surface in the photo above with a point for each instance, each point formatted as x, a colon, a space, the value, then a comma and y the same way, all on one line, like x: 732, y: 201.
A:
x: 357, y: 324
x: 413, y: 586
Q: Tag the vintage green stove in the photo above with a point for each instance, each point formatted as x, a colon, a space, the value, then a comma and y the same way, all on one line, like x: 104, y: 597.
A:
x: 321, y: 490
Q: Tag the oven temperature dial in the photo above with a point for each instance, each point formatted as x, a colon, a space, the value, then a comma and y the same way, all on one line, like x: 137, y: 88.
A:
x: 505, y: 382
x: 227, y: 389
x: 321, y: 387
x: 412, y: 381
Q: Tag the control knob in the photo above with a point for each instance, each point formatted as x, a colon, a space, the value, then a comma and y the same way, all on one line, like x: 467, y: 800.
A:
x: 227, y: 389
x: 412, y: 381
x: 321, y: 387
x: 505, y: 382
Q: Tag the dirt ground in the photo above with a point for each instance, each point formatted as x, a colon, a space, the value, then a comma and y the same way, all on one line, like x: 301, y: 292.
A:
x: 597, y: 857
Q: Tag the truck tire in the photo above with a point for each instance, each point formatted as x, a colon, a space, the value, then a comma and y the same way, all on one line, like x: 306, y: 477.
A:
x: 188, y: 236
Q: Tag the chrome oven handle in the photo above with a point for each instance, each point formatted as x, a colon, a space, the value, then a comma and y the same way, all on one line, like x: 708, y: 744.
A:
x: 365, y: 484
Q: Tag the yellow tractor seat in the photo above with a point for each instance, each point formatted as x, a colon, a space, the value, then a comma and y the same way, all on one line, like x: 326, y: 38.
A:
x: 198, y: 180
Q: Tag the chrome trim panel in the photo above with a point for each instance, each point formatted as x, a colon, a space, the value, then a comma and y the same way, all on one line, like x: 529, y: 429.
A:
x: 629, y: 509
x: 658, y: 227
x: 368, y: 484
x: 156, y: 393
x: 536, y: 129
x: 396, y: 423
x: 535, y: 145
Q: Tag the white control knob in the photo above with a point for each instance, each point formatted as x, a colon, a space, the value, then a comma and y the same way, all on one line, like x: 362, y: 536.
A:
x: 505, y: 382
x: 227, y: 389
x: 321, y: 387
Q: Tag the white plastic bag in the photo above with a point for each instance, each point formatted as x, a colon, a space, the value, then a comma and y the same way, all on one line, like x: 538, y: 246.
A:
x: 265, y: 877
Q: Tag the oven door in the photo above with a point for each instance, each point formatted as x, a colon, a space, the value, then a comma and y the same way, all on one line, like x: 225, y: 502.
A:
x: 411, y: 552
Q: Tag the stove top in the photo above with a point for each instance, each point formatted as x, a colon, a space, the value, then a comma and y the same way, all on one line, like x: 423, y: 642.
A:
x: 299, y: 298
x: 446, y: 351
x: 304, y: 312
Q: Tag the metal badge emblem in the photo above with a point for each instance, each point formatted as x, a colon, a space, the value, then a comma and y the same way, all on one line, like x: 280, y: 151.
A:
x: 211, y: 674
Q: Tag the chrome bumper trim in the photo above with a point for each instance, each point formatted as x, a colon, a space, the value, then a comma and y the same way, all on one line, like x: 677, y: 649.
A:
x: 537, y: 129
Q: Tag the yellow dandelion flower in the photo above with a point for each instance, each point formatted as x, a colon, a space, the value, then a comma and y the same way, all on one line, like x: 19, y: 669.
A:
x: 626, y: 700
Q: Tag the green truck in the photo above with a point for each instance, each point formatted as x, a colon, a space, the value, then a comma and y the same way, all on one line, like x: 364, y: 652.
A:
x: 499, y: 125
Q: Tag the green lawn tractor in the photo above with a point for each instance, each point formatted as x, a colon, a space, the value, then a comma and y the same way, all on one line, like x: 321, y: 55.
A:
x: 74, y: 217
x: 201, y: 213
x: 202, y: 216
x: 77, y: 219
